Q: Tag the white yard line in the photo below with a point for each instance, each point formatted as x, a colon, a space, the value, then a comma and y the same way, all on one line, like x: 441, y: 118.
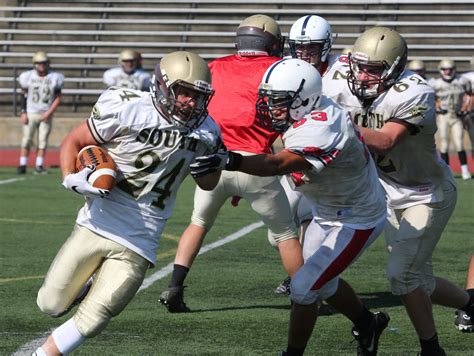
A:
x: 11, y: 180
x: 28, y: 348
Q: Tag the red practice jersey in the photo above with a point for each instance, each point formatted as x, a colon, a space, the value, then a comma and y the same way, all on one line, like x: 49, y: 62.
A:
x: 236, y: 80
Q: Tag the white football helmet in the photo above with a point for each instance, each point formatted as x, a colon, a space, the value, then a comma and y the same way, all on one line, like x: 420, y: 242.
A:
x: 290, y: 85
x: 447, y: 69
x: 184, y: 73
x: 309, y: 30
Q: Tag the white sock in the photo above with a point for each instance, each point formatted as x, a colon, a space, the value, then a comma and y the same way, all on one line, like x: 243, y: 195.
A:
x: 39, y: 352
x: 464, y: 168
x: 39, y: 161
x: 23, y: 160
x: 67, y: 338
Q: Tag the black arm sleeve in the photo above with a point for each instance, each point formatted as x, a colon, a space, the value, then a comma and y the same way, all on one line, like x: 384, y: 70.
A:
x: 23, y: 102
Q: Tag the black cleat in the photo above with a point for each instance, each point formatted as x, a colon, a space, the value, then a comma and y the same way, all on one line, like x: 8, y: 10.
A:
x: 368, y: 340
x: 21, y: 170
x: 463, y: 322
x: 284, y: 287
x: 40, y: 170
x: 173, y: 299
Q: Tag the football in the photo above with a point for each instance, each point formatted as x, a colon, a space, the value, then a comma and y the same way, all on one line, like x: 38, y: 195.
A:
x: 105, y: 174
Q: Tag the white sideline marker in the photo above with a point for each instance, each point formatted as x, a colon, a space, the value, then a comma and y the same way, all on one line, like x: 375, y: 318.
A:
x: 28, y: 348
x: 11, y: 180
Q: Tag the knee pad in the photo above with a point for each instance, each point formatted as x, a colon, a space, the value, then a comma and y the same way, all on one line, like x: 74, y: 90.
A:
x: 301, y: 295
x: 91, y: 323
x: 50, y: 304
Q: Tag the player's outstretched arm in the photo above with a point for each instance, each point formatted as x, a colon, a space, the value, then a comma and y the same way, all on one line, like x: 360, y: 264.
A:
x: 263, y: 165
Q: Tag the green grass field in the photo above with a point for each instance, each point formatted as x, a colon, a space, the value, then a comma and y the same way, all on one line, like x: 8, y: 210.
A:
x: 230, y: 289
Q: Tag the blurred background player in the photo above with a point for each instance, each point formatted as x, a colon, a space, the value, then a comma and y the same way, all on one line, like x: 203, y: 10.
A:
x: 341, y: 186
x: 129, y: 74
x: 236, y: 78
x: 119, y: 251
x: 41, y: 89
x: 453, y: 104
x: 310, y: 39
x: 417, y: 67
x: 470, y: 76
x: 396, y: 116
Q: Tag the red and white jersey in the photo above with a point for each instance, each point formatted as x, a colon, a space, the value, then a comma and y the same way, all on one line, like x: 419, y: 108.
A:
x: 411, y: 172
x: 41, y: 90
x: 450, y: 94
x: 153, y: 158
x: 235, y: 80
x: 342, y: 184
x: 139, y: 79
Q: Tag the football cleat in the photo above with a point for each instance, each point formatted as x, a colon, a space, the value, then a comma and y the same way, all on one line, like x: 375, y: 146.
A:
x: 21, y: 170
x: 466, y: 175
x: 438, y: 352
x: 173, y: 299
x: 284, y: 286
x: 40, y: 170
x: 80, y: 296
x: 368, y: 340
x: 463, y: 322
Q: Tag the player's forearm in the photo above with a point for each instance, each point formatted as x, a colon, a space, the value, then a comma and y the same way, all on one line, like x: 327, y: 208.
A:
x: 377, y: 142
x: 54, y: 105
x: 263, y: 165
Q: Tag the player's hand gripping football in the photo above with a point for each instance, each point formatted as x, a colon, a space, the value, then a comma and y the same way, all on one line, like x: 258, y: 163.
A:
x: 78, y: 183
x: 221, y: 160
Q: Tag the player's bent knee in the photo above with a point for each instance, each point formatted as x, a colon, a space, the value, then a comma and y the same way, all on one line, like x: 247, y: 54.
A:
x: 90, y: 326
x: 301, y: 295
x: 50, y: 304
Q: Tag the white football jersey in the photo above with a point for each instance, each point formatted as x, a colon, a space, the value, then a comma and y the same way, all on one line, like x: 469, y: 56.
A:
x: 342, y: 184
x: 139, y: 79
x: 153, y: 158
x: 450, y: 94
x: 411, y: 172
x: 41, y: 90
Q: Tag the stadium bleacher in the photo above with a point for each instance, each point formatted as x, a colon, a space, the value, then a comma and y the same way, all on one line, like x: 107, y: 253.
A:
x: 83, y: 38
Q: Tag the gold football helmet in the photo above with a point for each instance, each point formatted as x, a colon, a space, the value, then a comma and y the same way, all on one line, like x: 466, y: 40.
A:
x: 418, y: 67
x: 378, y: 58
x: 447, y: 69
x: 186, y: 74
x: 128, y: 60
x: 257, y: 35
x: 40, y: 57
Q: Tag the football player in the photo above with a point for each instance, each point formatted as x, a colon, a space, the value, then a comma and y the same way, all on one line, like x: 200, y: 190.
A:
x: 341, y: 185
x: 395, y: 110
x: 463, y: 322
x: 311, y: 40
x: 236, y: 78
x: 41, y: 95
x: 153, y: 138
x: 129, y: 74
x: 417, y: 67
x: 453, y: 104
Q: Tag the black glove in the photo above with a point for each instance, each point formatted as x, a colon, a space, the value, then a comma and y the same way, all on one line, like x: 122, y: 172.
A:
x: 203, y: 165
x: 441, y: 111
x: 461, y: 114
